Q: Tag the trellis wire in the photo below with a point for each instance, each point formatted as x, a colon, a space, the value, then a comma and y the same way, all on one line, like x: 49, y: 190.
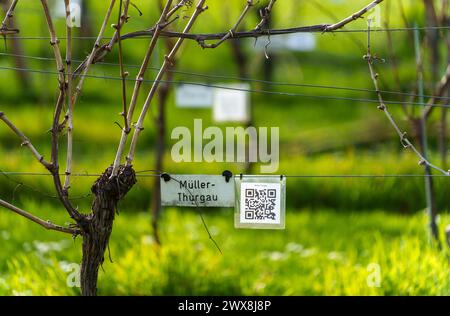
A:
x: 290, y: 94
x: 214, y: 76
x: 380, y: 30
x: 144, y: 174
x: 148, y: 175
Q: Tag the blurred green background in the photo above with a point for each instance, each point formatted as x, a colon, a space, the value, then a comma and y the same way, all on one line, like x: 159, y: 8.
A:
x: 336, y: 227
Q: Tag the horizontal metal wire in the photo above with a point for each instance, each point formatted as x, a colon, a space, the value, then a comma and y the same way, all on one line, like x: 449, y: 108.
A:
x: 143, y: 174
x: 290, y: 94
x: 379, y: 30
x: 152, y: 175
x: 394, y: 29
x: 214, y: 76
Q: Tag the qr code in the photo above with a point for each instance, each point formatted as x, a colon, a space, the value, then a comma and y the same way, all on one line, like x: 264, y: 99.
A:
x: 260, y: 204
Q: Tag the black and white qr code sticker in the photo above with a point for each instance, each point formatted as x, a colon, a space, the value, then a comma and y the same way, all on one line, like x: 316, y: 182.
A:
x: 260, y: 205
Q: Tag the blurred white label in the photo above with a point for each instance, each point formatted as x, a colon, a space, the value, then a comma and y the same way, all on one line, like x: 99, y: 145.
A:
x: 59, y: 11
x: 233, y: 104
x: 192, y: 96
x: 299, y: 42
x: 374, y: 16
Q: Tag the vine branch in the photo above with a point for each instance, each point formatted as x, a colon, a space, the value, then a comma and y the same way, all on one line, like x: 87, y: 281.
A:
x: 440, y: 90
x: 25, y: 141
x: 168, y: 59
x: 138, y: 83
x: 69, y: 98
x: 265, y: 15
x: 353, y: 17
x: 123, y: 74
x: 318, y: 28
x: 46, y: 224
x: 91, y: 56
x: 56, y: 125
x: 9, y: 14
x: 371, y: 59
x: 230, y: 33
x: 54, y: 42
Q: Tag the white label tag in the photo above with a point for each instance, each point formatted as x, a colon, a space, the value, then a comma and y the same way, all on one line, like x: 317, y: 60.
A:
x: 300, y: 42
x: 191, y: 96
x: 197, y: 191
x: 261, y: 202
x: 232, y: 105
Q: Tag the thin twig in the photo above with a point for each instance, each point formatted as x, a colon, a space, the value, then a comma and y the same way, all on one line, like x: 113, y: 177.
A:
x: 201, y: 217
x: 42, y: 193
x: 56, y: 125
x: 178, y: 6
x: 371, y: 59
x: 330, y: 13
x: 440, y: 90
x: 102, y: 51
x: 54, y: 42
x: 56, y: 130
x: 230, y: 33
x: 123, y: 18
x: 25, y: 141
x: 93, y: 52
x: 137, y: 87
x: 9, y: 14
x: 265, y: 15
x: 353, y: 17
x: 168, y: 59
x: 69, y: 96
x: 46, y: 224
x: 120, y: 21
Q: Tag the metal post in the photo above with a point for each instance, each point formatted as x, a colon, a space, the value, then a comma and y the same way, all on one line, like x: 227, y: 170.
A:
x: 431, y: 206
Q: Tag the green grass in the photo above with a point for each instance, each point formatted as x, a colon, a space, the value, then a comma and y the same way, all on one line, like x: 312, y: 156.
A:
x: 319, y: 253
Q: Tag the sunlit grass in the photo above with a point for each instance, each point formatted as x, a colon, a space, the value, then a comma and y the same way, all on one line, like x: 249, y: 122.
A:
x: 329, y: 242
x: 320, y: 253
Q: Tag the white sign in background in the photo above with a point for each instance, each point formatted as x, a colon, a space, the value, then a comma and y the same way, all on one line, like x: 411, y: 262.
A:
x: 193, y: 96
x: 58, y: 9
x: 197, y: 191
x: 298, y: 42
x: 233, y: 104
